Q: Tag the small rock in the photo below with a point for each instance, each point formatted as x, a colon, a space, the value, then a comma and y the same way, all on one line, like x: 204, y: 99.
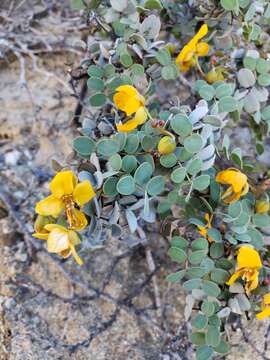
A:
x: 10, y: 303
x: 12, y: 158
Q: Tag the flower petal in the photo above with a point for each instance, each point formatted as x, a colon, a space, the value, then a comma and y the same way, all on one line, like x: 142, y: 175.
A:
x: 248, y: 258
x: 58, y: 240
x: 266, y: 299
x: 141, y: 115
x: 128, y: 126
x: 63, y: 183
x: 75, y: 255
x: 263, y: 314
x: 41, y: 236
x: 127, y: 89
x: 80, y: 220
x: 83, y: 193
x: 201, y: 33
x: 50, y: 206
x: 235, y: 276
x: 202, y: 49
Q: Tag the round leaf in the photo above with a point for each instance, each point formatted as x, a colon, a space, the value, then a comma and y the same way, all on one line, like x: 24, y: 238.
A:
x: 84, y: 145
x: 193, y: 143
x: 126, y: 185
x: 156, y: 185
x: 107, y: 147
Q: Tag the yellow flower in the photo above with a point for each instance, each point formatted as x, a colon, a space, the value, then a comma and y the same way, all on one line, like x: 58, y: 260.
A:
x: 238, y: 184
x: 166, y: 145
x: 67, y: 193
x: 203, y: 230
x: 262, y: 206
x: 60, y: 240
x: 265, y: 307
x: 188, y: 56
x: 248, y: 265
x: 128, y: 99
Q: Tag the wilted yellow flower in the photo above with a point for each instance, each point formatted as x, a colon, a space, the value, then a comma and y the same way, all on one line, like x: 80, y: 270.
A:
x: 60, y: 240
x: 248, y: 265
x: 166, y: 145
x: 265, y: 307
x: 188, y: 56
x: 262, y: 206
x: 203, y: 230
x: 214, y: 75
x: 129, y: 100
x: 238, y: 184
x: 67, y: 193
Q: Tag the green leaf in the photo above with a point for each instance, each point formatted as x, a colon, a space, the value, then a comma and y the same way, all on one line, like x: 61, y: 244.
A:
x: 250, y: 62
x: 246, y: 78
x: 129, y: 163
x: 195, y: 272
x: 263, y: 66
x: 109, y: 70
x: 199, y: 244
x: 116, y: 162
x: 168, y: 161
x: 261, y: 220
x: 215, y: 235
x: 207, y: 92
x: 153, y: 5
x: 137, y: 70
x: 132, y: 143
x: 210, y: 288
x: 219, y: 276
x: 177, y: 276
x: 208, y: 308
x: 195, y: 167
x: 222, y: 348
x: 98, y: 100
x: 224, y: 90
x: 95, y: 83
x: 199, y: 322
x: 178, y: 175
x: 109, y: 186
x: 181, y: 125
x: 84, y: 145
x: 201, y: 182
x: 197, y: 338
x: 216, y: 250
x: 155, y: 186
x: 170, y: 72
x: 180, y: 242
x: 212, y: 336
x: 230, y: 5
x: 204, y: 353
x: 197, y: 256
x: 126, y: 60
x: 107, y: 147
x: 192, y: 284
x: 126, y: 185
x: 143, y: 173
x: 193, y: 143
x: 227, y: 104
x: 77, y: 5
x: 95, y: 71
x: 178, y: 255
x: 264, y: 79
x: 163, y: 56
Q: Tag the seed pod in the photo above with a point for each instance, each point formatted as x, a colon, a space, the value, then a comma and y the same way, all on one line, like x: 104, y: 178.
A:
x: 262, y: 206
x: 166, y: 145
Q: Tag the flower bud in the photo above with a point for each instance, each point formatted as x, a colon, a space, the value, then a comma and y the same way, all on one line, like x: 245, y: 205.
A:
x: 166, y: 145
x: 262, y: 206
x: 214, y: 75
